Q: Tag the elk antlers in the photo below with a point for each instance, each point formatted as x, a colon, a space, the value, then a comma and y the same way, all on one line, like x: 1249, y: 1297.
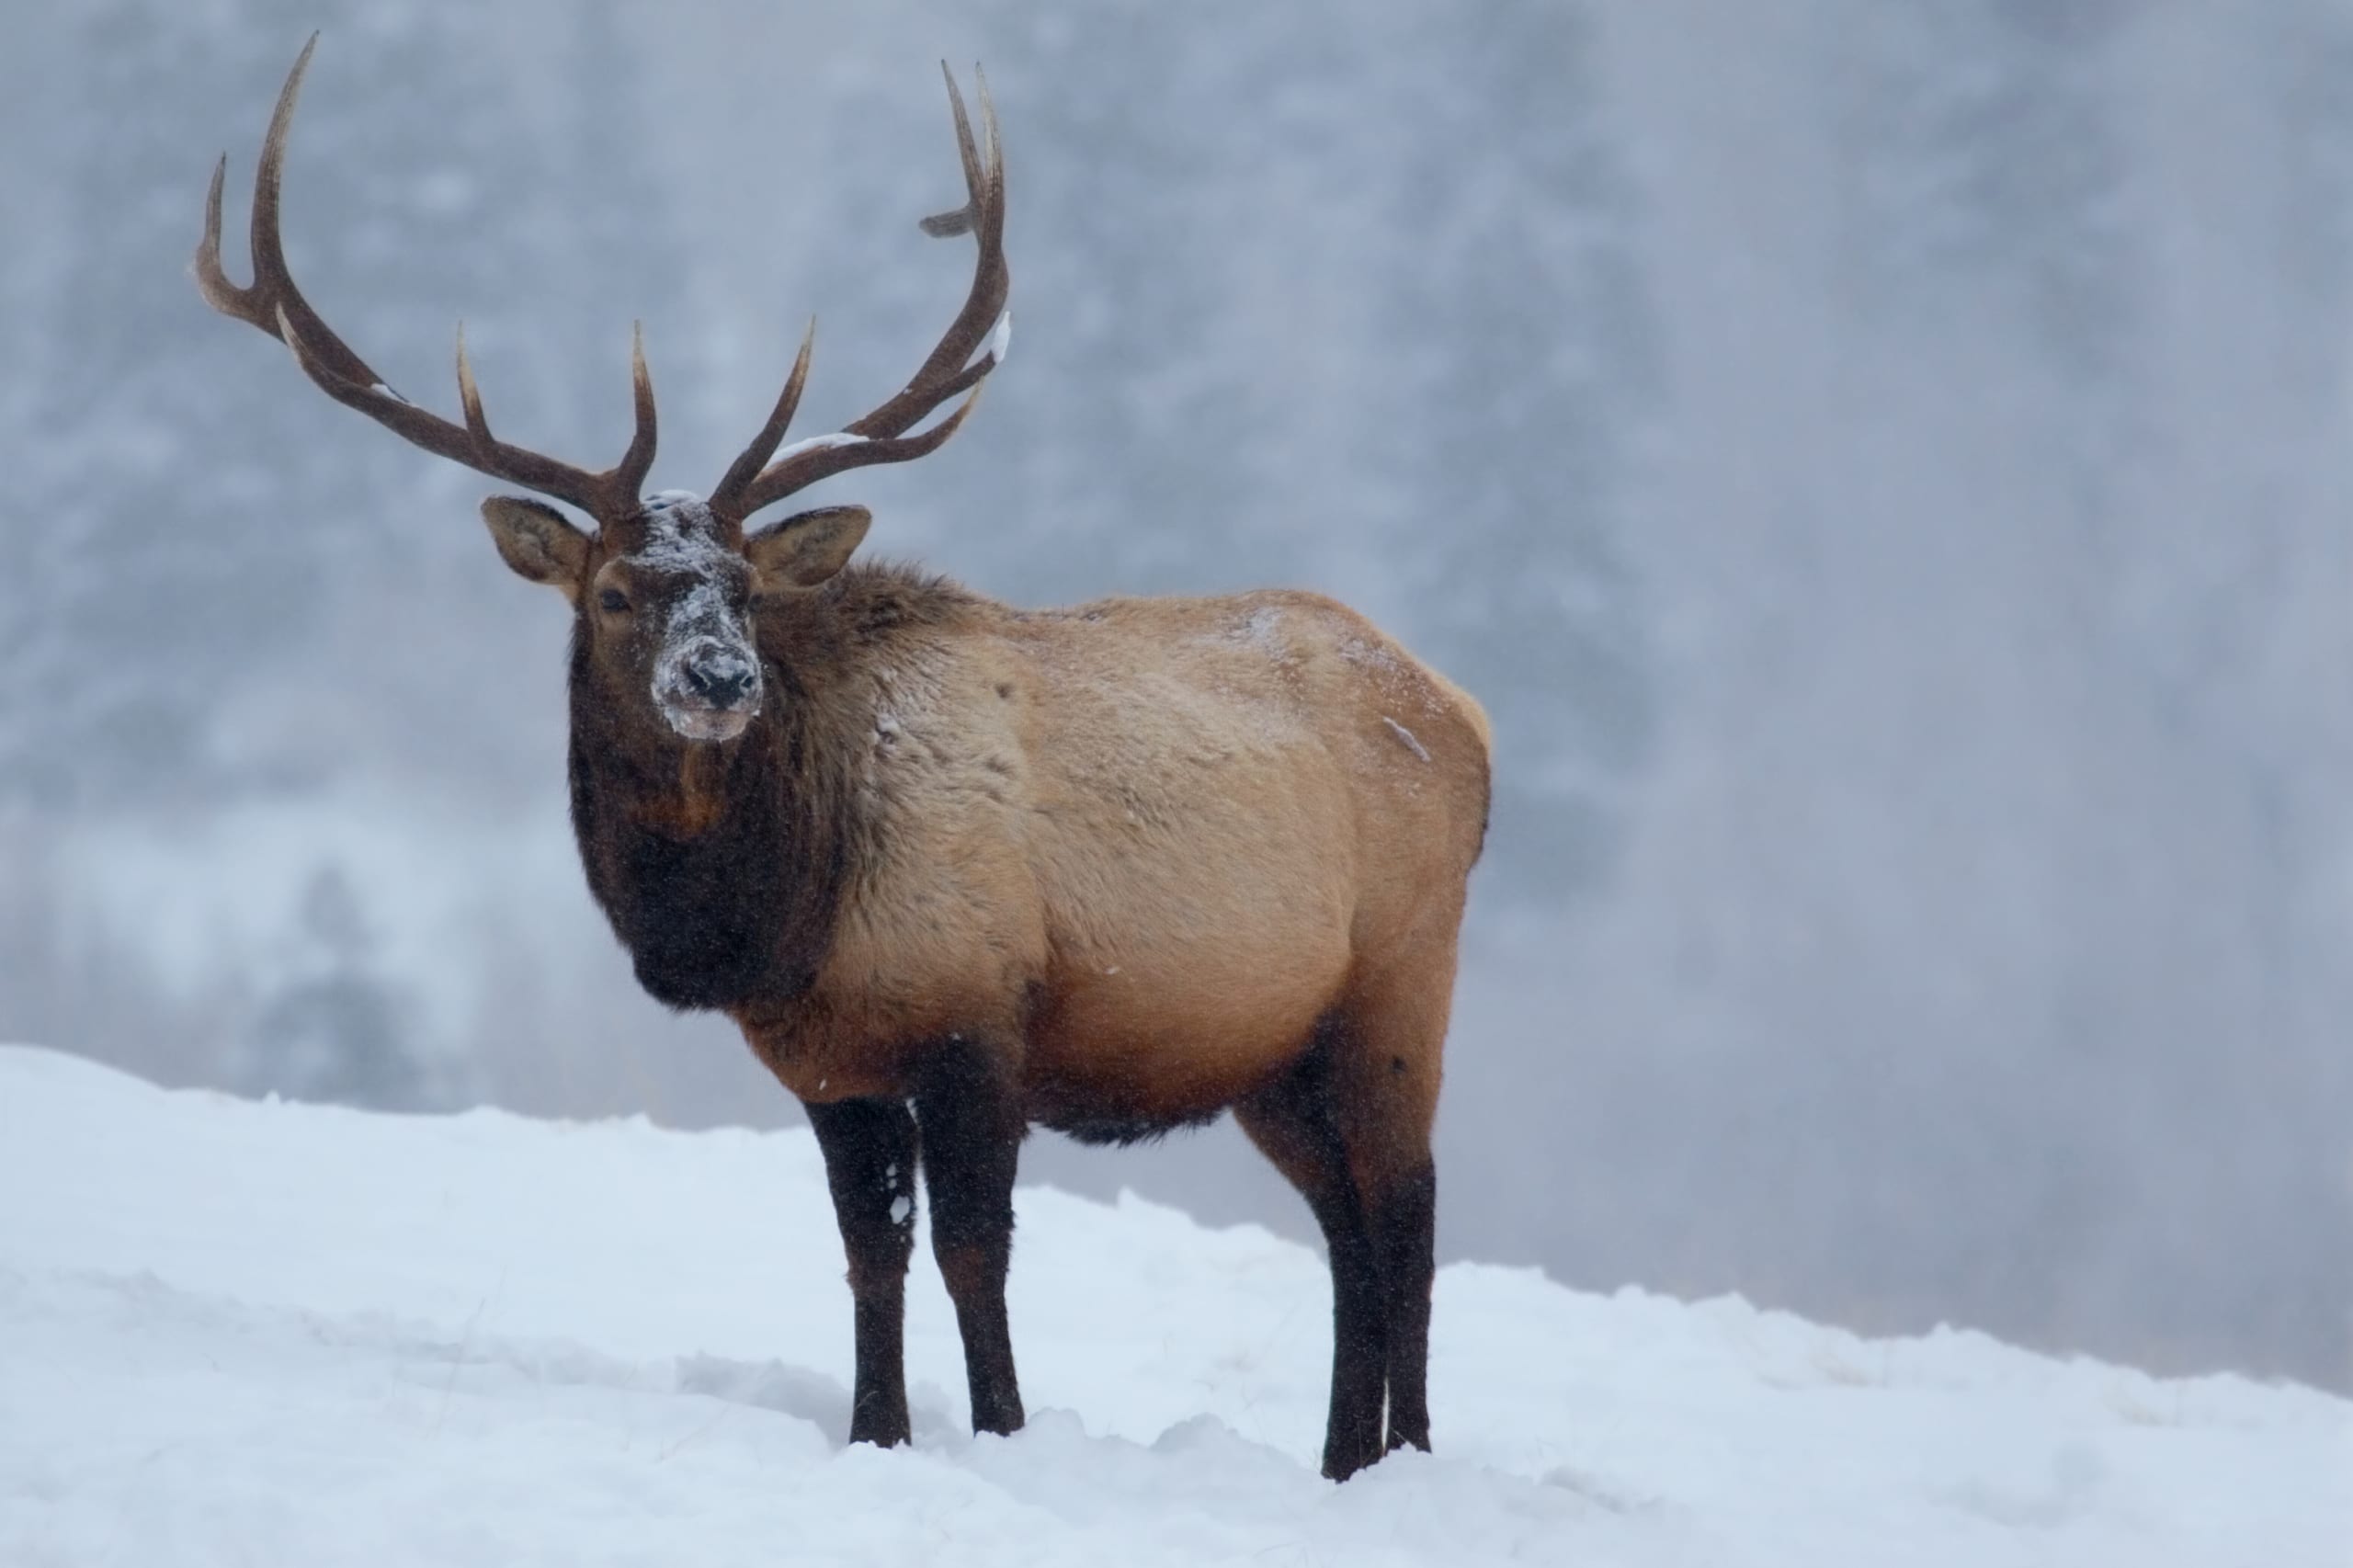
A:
x: 881, y: 436
x: 274, y: 305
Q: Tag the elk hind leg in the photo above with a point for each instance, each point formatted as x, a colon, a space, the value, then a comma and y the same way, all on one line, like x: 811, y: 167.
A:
x: 1386, y: 1070
x: 1291, y: 1122
x: 870, y: 1150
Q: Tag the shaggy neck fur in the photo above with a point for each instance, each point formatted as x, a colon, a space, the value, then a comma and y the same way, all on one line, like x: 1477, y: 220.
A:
x: 722, y: 867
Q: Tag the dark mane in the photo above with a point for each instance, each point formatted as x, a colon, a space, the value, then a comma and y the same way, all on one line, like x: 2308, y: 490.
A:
x: 724, y: 882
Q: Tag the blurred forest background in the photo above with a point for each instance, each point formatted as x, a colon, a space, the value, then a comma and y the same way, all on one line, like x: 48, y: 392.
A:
x: 1886, y: 465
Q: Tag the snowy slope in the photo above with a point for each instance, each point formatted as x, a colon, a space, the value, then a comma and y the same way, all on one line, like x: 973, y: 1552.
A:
x: 274, y: 1333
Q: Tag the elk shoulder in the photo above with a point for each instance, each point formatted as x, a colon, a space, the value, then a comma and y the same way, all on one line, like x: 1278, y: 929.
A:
x: 1151, y: 837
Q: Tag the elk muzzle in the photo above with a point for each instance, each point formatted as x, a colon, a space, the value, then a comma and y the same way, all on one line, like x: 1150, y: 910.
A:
x: 707, y: 686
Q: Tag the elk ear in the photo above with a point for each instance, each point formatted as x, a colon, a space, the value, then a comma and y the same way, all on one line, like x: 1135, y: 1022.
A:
x: 808, y: 547
x: 537, y: 541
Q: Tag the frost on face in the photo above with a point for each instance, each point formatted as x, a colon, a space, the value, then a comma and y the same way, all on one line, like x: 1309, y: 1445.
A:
x: 698, y: 622
x: 704, y: 634
x: 681, y: 535
x: 705, y: 642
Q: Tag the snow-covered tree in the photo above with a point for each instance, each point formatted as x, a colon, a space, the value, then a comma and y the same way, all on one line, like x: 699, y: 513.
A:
x: 335, y: 1029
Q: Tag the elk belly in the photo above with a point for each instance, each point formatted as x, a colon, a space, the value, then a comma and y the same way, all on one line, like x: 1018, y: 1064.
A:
x: 1152, y: 1039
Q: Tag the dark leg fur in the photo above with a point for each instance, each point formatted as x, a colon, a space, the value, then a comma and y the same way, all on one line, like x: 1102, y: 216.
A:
x: 1403, y: 1228
x: 970, y: 1110
x: 1291, y: 1122
x: 869, y: 1148
x: 1352, y: 1431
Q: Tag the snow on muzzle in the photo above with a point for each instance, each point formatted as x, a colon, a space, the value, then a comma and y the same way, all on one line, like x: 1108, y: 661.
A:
x: 707, y: 678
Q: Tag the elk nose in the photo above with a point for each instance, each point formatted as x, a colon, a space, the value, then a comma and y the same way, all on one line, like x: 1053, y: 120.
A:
x: 722, y: 681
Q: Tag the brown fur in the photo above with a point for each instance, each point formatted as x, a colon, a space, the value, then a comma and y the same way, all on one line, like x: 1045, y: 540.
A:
x: 1153, y: 841
x: 1113, y: 870
x: 956, y: 868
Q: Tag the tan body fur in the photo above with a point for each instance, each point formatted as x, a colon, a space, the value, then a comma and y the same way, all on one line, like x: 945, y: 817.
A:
x: 1155, y: 841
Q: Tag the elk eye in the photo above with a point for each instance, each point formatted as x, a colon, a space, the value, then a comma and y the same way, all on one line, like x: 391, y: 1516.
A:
x: 614, y: 600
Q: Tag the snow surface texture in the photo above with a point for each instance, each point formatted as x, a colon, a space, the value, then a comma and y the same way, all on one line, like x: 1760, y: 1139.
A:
x: 266, y: 1333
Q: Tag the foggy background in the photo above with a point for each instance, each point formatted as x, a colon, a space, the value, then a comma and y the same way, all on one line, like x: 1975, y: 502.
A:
x: 1885, y: 465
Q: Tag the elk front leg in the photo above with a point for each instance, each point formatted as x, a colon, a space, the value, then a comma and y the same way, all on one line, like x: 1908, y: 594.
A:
x: 869, y: 1149
x: 970, y: 1106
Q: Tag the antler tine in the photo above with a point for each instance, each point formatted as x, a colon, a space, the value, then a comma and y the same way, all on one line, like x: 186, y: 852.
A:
x: 270, y: 272
x: 942, y: 224
x: 211, y: 281
x: 274, y: 304
x: 881, y: 436
x: 272, y: 292
x: 610, y: 494
x: 983, y: 215
x: 637, y: 461
x: 746, y: 465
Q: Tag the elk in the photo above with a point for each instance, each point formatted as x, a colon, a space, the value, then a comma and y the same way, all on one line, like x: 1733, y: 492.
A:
x: 956, y: 869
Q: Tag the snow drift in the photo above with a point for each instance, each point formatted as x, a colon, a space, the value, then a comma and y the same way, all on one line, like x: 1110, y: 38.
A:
x: 280, y: 1334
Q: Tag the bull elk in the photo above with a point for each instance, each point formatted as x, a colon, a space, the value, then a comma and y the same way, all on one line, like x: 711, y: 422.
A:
x: 955, y: 868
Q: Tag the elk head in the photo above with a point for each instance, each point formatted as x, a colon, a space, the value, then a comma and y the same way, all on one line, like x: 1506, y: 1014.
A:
x: 665, y: 589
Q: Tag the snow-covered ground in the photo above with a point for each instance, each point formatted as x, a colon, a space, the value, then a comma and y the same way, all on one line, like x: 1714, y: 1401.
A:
x: 271, y: 1333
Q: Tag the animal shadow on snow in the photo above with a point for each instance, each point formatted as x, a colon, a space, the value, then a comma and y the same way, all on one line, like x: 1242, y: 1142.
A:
x: 808, y: 1396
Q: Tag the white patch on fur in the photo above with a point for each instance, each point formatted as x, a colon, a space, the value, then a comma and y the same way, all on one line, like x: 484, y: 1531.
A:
x: 1406, y: 736
x: 1263, y: 630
